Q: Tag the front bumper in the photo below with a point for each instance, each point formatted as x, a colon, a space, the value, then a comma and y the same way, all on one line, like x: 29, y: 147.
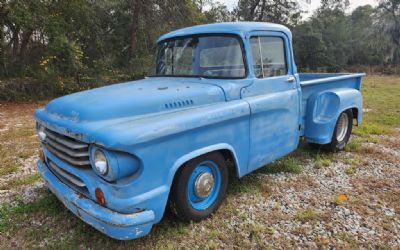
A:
x: 116, y: 225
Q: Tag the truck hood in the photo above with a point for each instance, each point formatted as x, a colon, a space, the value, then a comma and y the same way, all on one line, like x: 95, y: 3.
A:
x: 134, y: 98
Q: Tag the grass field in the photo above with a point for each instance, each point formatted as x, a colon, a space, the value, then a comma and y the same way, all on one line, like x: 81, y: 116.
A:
x: 308, y: 199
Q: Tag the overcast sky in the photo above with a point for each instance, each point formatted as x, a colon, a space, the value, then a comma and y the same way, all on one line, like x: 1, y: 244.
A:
x: 313, y: 5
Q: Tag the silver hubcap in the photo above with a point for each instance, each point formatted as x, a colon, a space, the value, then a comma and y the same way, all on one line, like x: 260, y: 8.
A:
x: 203, y: 185
x: 343, y: 124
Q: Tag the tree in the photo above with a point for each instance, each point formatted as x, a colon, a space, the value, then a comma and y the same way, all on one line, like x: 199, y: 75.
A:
x: 365, y: 48
x: 324, y: 40
x: 218, y: 12
x: 335, y: 4
x: 277, y: 11
x: 309, y: 47
x: 389, y: 23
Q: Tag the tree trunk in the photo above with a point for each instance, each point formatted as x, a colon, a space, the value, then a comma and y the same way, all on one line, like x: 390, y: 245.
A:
x: 135, y: 10
x: 253, y: 7
x: 2, y: 50
x: 262, y: 10
x: 26, y: 36
x: 15, y: 44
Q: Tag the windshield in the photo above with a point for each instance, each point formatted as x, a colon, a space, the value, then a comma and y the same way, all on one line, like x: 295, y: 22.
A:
x: 201, y: 56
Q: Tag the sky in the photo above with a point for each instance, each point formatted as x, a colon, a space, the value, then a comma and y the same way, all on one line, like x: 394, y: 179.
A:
x: 314, y: 4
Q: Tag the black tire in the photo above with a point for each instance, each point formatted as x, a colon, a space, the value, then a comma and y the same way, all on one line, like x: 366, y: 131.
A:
x: 337, y: 145
x: 179, y: 202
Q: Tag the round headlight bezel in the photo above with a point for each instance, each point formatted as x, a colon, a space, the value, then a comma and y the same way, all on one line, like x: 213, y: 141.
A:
x: 114, y: 160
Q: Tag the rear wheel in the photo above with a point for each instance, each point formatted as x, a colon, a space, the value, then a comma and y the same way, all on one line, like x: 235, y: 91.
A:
x: 341, y: 134
x: 199, y: 187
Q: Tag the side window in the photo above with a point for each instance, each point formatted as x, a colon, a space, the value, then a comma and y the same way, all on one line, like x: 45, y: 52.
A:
x: 268, y: 56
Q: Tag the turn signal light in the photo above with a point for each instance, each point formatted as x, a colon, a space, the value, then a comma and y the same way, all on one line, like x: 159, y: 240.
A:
x: 100, y: 197
x: 41, y: 155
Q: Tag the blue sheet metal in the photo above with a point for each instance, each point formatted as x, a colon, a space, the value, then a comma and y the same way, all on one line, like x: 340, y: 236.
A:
x: 153, y: 126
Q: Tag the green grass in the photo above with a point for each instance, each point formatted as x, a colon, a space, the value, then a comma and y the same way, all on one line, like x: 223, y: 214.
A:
x: 354, y: 145
x: 308, y: 214
x: 10, y: 216
x: 247, y: 184
x: 322, y: 160
x: 381, y: 97
x: 285, y: 165
x: 26, y: 180
x: 354, y: 162
x: 346, y: 238
x: 350, y: 170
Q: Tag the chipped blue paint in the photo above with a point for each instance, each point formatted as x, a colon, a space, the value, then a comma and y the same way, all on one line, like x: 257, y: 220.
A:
x: 150, y: 128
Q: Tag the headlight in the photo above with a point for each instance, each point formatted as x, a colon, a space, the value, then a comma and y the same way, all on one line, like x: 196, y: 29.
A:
x: 113, y: 165
x: 100, y: 162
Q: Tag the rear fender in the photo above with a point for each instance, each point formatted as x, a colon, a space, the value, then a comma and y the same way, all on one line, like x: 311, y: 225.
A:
x: 323, y: 110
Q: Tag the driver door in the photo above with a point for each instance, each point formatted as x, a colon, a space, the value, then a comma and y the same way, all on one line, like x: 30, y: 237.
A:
x: 274, y: 99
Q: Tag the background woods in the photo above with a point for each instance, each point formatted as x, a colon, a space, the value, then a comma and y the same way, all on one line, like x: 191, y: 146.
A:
x: 49, y: 47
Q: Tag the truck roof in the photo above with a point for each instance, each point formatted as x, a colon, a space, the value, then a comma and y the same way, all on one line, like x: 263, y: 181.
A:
x: 237, y: 28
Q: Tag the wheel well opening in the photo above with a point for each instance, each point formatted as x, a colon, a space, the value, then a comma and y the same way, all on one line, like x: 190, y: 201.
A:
x: 355, y: 114
x: 230, y: 161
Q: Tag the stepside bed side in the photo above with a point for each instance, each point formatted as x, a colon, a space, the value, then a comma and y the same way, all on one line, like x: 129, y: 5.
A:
x: 325, y: 96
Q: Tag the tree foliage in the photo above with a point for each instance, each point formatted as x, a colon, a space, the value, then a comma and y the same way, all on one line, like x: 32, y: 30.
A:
x: 53, y: 40
x: 275, y: 11
x: 331, y: 39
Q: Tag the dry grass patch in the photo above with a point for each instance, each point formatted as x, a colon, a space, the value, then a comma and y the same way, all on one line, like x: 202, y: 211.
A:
x: 303, y: 183
x: 376, y: 152
x: 308, y: 214
x: 17, y: 137
x: 376, y: 192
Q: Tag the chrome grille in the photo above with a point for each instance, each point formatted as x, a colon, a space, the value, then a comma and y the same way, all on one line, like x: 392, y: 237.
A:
x: 67, y: 149
x: 68, y: 178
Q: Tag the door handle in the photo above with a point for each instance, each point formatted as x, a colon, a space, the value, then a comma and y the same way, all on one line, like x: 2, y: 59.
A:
x: 291, y: 79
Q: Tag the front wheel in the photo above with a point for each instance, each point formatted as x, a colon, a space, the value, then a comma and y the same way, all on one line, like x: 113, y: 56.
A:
x: 199, y: 187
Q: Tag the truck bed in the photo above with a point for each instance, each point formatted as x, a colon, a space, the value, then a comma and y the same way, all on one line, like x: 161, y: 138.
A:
x: 316, y: 78
x: 313, y: 83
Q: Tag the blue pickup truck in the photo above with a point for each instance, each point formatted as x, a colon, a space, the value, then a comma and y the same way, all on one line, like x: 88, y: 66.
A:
x: 120, y: 155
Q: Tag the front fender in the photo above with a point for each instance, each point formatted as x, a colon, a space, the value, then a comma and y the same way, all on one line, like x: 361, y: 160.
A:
x: 323, y: 110
x: 196, y: 153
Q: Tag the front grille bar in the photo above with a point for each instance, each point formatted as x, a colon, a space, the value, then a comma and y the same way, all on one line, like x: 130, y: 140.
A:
x: 84, y: 163
x: 65, y: 141
x: 66, y: 150
x: 71, y: 178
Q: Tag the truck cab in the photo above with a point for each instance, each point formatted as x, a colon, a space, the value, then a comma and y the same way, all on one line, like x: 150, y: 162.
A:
x: 120, y: 155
